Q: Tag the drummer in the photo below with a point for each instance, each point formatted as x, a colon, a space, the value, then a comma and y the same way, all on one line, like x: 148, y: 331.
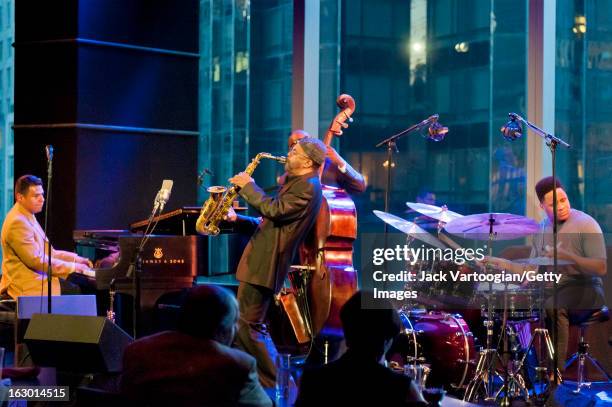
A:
x: 581, y: 246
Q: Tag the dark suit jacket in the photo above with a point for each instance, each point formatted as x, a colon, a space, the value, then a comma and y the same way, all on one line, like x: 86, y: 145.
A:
x: 288, y: 216
x: 353, y: 381
x: 175, y: 369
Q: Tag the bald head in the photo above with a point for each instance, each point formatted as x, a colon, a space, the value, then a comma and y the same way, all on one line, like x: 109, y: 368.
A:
x: 369, y: 330
x: 209, y: 312
x: 295, y: 136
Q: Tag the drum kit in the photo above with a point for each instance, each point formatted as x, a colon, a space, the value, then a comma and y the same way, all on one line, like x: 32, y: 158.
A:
x: 435, y: 335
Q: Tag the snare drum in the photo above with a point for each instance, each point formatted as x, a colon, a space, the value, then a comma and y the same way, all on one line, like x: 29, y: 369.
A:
x: 521, y: 304
x: 442, y: 340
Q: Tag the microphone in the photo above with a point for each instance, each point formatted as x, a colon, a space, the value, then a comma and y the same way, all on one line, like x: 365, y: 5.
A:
x: 513, y: 129
x: 163, y: 195
x: 205, y: 171
x: 49, y: 152
x: 435, y: 131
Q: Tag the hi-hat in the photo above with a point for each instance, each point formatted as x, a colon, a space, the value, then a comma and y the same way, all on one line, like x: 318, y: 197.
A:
x: 409, y: 228
x: 439, y: 213
x: 506, y: 226
x: 543, y: 261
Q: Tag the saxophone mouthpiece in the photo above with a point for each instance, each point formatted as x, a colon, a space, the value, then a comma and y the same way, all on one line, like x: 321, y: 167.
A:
x: 281, y: 159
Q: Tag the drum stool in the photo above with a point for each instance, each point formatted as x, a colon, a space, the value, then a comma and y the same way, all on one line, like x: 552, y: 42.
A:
x: 582, y: 356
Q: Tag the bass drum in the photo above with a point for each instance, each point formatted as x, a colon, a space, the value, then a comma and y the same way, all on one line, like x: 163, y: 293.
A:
x: 442, y: 340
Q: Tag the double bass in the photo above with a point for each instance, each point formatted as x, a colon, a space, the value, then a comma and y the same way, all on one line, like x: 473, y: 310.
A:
x: 328, y: 249
x: 326, y: 279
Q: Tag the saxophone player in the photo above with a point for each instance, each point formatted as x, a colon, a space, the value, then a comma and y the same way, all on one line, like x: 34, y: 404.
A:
x: 287, y: 216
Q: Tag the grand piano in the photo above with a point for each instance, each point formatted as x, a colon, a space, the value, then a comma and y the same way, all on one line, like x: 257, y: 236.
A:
x: 172, y: 260
x: 167, y: 261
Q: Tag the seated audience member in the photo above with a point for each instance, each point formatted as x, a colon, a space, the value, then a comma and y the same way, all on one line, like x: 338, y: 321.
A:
x: 194, y: 366
x: 360, y: 377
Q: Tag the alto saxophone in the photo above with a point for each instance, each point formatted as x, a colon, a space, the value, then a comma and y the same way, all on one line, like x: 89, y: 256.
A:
x: 218, y: 204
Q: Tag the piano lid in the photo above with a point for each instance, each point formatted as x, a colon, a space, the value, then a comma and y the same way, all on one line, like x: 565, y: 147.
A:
x: 100, y: 239
x: 180, y: 222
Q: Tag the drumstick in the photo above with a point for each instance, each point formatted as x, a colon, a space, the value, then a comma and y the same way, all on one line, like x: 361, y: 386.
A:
x: 446, y: 239
x: 454, y: 245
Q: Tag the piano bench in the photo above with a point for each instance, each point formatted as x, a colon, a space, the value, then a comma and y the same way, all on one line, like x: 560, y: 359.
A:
x: 8, y: 324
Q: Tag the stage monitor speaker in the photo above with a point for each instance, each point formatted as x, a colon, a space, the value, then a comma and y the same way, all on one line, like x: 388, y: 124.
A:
x: 74, y: 343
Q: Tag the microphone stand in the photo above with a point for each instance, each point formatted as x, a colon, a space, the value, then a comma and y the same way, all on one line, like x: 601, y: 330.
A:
x: 49, y: 271
x: 391, y: 144
x: 133, y: 272
x: 135, y: 269
x: 552, y: 142
x: 391, y: 147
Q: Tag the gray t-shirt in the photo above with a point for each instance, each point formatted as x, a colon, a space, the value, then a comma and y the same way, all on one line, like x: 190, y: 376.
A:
x: 579, y: 234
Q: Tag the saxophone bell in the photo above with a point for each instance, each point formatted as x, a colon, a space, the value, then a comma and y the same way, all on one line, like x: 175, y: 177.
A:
x: 216, y: 192
x: 214, y: 201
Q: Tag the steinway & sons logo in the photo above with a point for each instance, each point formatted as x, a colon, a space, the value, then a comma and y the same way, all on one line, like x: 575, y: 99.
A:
x: 158, y: 253
x: 158, y: 258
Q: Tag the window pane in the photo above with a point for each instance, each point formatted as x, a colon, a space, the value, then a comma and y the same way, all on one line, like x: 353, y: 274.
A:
x: 583, y: 89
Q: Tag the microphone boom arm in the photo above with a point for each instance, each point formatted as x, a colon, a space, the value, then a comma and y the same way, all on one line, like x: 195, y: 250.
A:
x: 436, y: 133
x: 550, y: 139
x: 410, y: 129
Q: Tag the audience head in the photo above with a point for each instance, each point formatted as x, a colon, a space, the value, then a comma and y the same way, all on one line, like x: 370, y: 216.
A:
x: 426, y: 196
x: 369, y: 331
x: 210, y: 312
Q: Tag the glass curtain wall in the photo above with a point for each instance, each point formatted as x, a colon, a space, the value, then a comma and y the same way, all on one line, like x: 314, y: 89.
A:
x: 224, y: 86
x: 245, y: 92
x: 223, y: 97
x: 7, y: 76
x: 463, y: 59
x: 329, y: 64
x: 270, y: 85
x: 583, y: 113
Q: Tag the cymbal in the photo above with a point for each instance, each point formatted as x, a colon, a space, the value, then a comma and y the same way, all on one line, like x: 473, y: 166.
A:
x: 506, y: 226
x: 439, y: 213
x: 543, y: 261
x: 409, y: 228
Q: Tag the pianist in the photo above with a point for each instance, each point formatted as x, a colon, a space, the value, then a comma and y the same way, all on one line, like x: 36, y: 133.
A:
x: 24, y: 255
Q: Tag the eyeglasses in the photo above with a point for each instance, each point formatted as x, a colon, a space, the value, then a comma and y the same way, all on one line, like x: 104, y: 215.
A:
x: 293, y: 151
